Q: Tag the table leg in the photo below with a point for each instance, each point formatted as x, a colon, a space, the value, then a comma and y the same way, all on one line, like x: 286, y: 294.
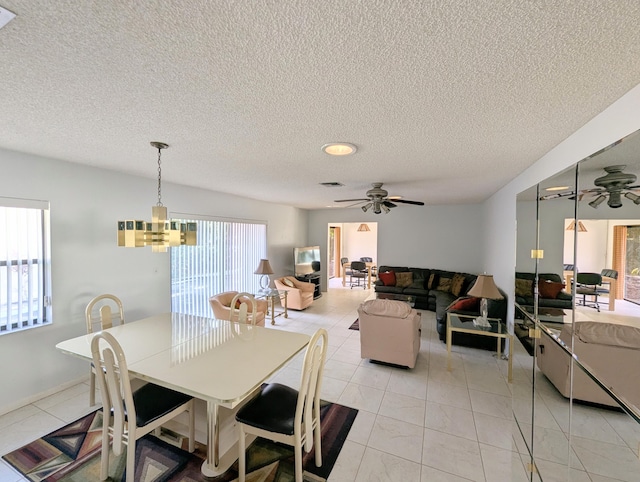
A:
x: 612, y: 294
x: 448, y: 345
x: 272, y: 300
x: 211, y: 466
x: 369, y: 277
x: 286, y: 315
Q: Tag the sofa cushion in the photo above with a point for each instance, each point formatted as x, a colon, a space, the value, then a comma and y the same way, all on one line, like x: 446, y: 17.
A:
x: 388, y: 308
x: 444, y: 284
x: 389, y: 289
x: 418, y: 277
x: 524, y: 287
x: 415, y: 291
x: 550, y: 289
x: 388, y: 278
x: 613, y: 334
x: 457, y: 284
x: 403, y: 280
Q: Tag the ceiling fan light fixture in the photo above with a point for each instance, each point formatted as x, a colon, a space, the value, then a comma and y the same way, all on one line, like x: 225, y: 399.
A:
x: 615, y: 200
x: 366, y: 207
x: 633, y: 197
x: 597, y: 201
x: 385, y: 208
x: 339, y: 148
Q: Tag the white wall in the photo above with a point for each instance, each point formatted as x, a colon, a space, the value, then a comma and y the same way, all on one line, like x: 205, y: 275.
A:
x: 617, y: 121
x: 85, y: 205
x: 446, y: 237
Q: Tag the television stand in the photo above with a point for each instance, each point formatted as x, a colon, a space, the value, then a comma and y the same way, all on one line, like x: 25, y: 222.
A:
x: 315, y: 279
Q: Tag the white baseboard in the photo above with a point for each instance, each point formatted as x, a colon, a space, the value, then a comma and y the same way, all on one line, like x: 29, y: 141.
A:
x: 34, y: 398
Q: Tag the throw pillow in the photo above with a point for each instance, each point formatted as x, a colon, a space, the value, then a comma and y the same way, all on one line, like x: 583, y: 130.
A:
x: 388, y: 278
x: 444, y: 285
x: 404, y: 280
x: 457, y: 283
x: 465, y: 304
x: 524, y: 288
x: 550, y: 289
x: 433, y: 281
x: 418, y: 280
x: 288, y: 282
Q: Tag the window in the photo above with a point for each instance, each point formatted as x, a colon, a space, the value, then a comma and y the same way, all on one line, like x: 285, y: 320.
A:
x: 227, y: 254
x: 25, y: 287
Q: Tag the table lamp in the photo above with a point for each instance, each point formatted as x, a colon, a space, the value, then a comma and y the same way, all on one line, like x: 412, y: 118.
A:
x: 484, y: 288
x: 264, y: 268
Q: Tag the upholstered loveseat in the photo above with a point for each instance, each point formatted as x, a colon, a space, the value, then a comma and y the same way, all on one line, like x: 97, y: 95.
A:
x: 550, y: 287
x: 440, y: 291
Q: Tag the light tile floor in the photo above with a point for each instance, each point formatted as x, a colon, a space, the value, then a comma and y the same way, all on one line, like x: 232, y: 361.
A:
x: 425, y: 424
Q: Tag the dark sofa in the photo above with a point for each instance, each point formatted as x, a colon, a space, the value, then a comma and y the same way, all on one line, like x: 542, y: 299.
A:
x: 524, y: 291
x: 426, y: 295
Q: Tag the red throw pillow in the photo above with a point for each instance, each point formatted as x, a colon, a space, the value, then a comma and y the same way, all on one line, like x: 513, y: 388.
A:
x: 465, y: 304
x: 550, y: 289
x: 388, y: 278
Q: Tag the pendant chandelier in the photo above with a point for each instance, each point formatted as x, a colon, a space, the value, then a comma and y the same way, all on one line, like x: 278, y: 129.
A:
x: 161, y: 233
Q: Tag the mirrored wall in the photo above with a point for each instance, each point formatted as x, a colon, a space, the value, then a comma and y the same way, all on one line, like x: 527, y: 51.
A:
x: 577, y: 321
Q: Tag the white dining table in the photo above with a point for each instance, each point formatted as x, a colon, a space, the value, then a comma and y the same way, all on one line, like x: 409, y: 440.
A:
x: 218, y: 361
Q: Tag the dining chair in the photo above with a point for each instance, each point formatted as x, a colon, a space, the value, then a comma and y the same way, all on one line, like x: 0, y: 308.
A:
x: 127, y: 415
x: 374, y: 270
x: 240, y: 308
x: 285, y: 415
x: 101, y: 313
x: 587, y: 285
x: 359, y: 272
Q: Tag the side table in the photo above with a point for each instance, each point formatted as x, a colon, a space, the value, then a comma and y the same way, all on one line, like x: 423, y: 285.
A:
x: 271, y: 296
x: 464, y: 324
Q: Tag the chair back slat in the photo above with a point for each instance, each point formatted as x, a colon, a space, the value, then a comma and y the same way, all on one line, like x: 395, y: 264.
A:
x: 241, y: 313
x: 115, y: 385
x: 109, y: 310
x: 308, y: 405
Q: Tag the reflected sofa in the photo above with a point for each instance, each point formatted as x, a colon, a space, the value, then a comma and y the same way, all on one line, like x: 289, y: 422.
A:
x: 299, y: 293
x: 389, y: 332
x: 610, y: 350
x: 550, y: 286
x: 221, y: 306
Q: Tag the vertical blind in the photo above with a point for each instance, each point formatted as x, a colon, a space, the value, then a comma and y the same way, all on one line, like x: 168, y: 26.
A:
x: 224, y: 259
x: 24, y: 299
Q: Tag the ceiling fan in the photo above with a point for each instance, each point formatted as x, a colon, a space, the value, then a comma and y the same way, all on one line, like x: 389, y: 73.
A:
x: 613, y: 185
x: 378, y: 199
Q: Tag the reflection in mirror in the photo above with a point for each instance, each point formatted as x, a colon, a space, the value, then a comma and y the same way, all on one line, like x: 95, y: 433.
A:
x: 591, y: 223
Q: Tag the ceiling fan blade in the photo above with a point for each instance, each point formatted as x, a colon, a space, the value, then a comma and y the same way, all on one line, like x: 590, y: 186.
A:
x: 349, y: 200
x: 389, y: 204
x: 405, y: 201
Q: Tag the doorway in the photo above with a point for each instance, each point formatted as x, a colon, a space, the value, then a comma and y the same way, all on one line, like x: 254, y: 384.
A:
x: 349, y: 241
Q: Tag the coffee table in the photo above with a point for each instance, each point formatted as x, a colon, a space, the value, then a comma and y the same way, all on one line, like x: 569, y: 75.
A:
x: 464, y: 324
x: 397, y: 297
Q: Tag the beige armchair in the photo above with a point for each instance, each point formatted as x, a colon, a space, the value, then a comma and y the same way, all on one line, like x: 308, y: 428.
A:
x: 389, y: 332
x: 221, y: 306
x: 300, y: 293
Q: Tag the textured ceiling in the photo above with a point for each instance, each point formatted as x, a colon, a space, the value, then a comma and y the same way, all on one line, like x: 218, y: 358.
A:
x: 446, y: 100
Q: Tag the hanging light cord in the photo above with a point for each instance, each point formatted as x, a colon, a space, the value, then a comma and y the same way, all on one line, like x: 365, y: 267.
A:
x: 159, y: 178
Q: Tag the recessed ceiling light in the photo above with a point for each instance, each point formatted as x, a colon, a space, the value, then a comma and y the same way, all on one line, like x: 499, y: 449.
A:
x: 339, y: 149
x: 557, y: 188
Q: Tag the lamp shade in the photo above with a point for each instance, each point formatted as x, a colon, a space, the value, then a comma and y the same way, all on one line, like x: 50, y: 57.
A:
x: 264, y: 267
x: 484, y: 287
x: 572, y: 227
x: 363, y: 227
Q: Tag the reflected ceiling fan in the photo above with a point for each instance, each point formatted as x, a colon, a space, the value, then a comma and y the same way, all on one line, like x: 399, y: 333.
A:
x: 612, y: 185
x: 378, y: 199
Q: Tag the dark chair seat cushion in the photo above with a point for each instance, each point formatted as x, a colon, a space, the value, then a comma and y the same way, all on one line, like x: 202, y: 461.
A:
x: 273, y: 409
x: 153, y: 401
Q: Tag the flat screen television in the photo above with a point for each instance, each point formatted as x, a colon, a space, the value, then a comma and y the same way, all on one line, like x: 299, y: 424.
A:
x: 306, y: 260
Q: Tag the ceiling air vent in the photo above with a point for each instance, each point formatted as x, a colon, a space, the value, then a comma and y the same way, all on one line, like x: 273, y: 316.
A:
x: 331, y: 184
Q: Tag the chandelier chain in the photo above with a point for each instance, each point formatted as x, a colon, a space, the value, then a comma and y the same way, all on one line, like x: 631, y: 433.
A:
x: 159, y: 178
